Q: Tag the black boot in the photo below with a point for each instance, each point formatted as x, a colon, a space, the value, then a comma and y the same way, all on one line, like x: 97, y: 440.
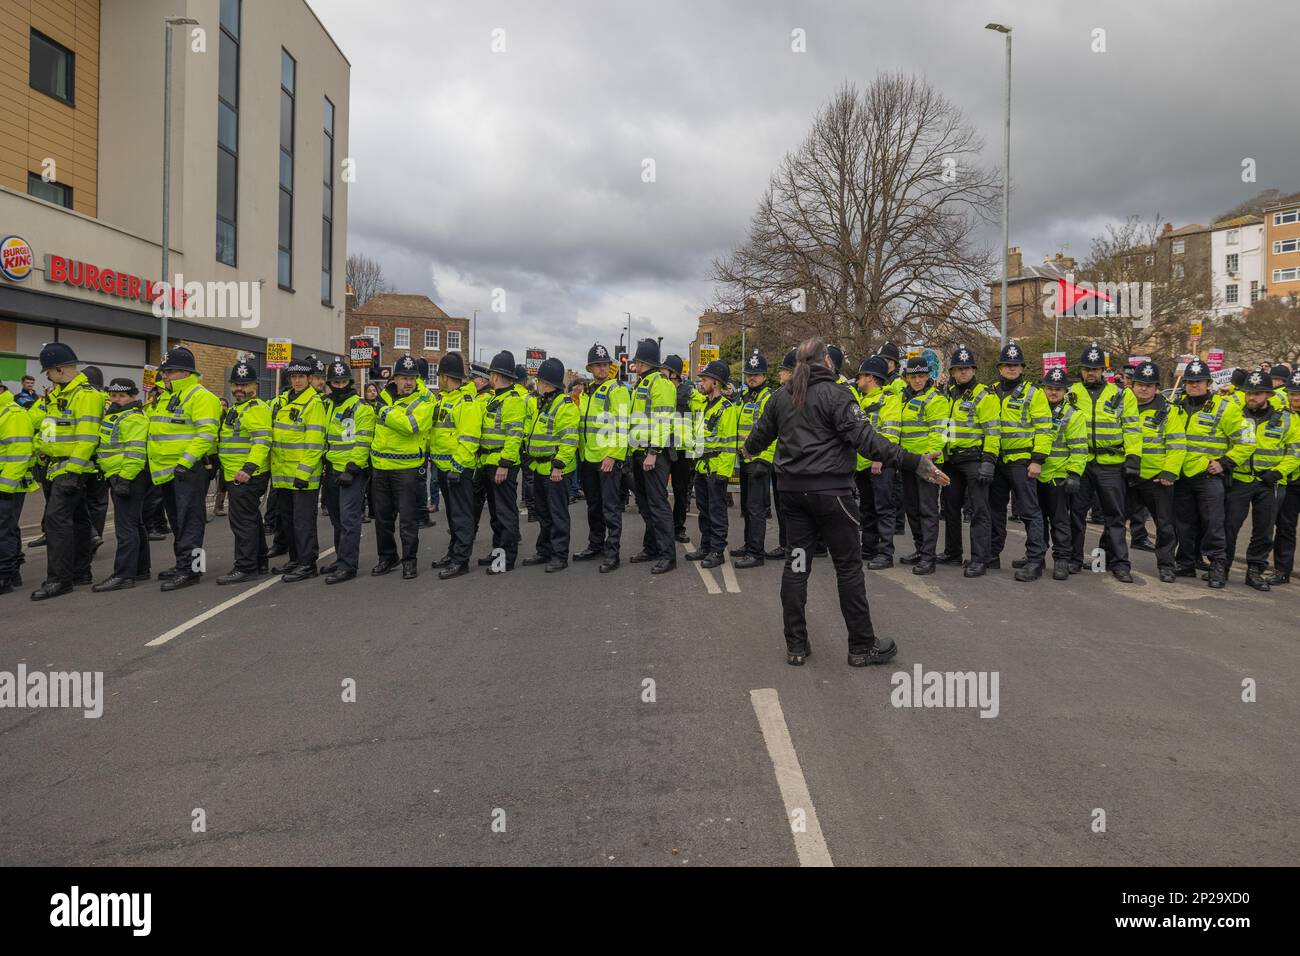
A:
x: 384, y: 566
x: 113, y: 583
x: 699, y: 554
x: 409, y: 570
x: 881, y: 653
x: 451, y: 571
x: 340, y: 574
x: 609, y: 564
x: 1255, y: 579
x: 301, y: 573
x: 51, y: 589
x: 712, y: 560
x: 1060, y: 570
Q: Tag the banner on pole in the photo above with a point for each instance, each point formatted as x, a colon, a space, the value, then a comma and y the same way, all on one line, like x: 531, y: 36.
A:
x: 278, y: 352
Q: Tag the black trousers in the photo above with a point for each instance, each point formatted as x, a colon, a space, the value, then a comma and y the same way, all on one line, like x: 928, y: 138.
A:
x: 604, y: 494
x: 155, y: 513
x: 552, y: 500
x: 396, y: 493
x: 479, y: 484
x: 921, y: 502
x: 651, y: 490
x: 966, y: 489
x: 68, y: 530
x: 711, y: 503
x: 1260, y: 501
x: 1107, y: 483
x: 1288, y: 513
x: 185, y: 498
x: 682, y: 473
x: 97, y: 495
x: 458, y: 506
x: 244, y: 511
x: 346, y: 505
x: 503, y: 510
x: 876, y: 511
x: 281, y: 530
x: 810, y: 516
x: 11, y: 545
x: 780, y: 515
x: 1199, y: 519
x: 526, y: 484
x: 131, y: 558
x: 297, y: 513
x: 1011, y: 482
x: 1158, y: 501
x: 1054, y: 505
x: 1136, y: 514
x: 755, y: 500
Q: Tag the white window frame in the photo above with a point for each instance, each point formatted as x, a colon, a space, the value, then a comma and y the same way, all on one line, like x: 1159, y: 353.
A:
x: 1150, y: 260
x: 453, y: 340
x: 1178, y: 247
x: 707, y: 338
x: 1279, y: 246
x: 1180, y: 272
x: 372, y: 331
x: 1231, y: 293
x: 1232, y: 262
x: 1254, y: 291
x: 1286, y: 217
x: 1286, y: 275
x: 1234, y: 237
x: 400, y: 333
x: 436, y: 340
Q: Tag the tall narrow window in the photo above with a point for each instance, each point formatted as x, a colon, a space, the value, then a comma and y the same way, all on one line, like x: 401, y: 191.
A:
x: 228, y: 132
x: 284, y: 265
x: 50, y: 68
x: 327, y: 209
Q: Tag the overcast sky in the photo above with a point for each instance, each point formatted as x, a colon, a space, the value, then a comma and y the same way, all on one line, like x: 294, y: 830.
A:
x: 522, y: 170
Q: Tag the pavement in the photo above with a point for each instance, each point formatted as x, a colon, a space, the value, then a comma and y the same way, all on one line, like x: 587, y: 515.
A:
x: 625, y: 719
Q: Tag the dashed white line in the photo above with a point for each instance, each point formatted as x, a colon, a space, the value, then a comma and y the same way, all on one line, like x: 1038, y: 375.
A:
x: 800, y: 814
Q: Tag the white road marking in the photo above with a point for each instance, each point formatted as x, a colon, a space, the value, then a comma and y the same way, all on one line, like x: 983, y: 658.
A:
x: 809, y: 843
x: 710, y: 582
x: 729, y: 577
x: 904, y: 577
x: 223, y: 606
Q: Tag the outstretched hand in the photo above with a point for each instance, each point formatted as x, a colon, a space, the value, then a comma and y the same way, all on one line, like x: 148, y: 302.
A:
x: 927, y: 471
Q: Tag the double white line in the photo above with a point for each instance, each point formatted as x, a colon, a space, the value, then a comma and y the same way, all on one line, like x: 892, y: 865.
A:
x: 706, y: 574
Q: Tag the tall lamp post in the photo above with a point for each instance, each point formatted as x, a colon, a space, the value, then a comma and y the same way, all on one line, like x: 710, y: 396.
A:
x: 168, y: 23
x: 473, y: 335
x: 1006, y: 176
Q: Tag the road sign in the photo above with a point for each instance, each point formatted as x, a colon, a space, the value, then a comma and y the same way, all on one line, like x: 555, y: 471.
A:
x: 533, y: 359
x: 361, y: 351
x: 278, y: 352
x: 709, y: 353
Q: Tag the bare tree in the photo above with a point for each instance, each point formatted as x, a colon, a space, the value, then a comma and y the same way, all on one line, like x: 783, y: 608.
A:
x: 871, y: 221
x: 1254, y: 205
x: 1268, y: 332
x: 366, y: 277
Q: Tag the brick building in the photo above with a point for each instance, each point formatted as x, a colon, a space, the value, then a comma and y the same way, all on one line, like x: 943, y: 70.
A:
x: 1282, y: 249
x: 407, y: 324
x: 1029, y: 288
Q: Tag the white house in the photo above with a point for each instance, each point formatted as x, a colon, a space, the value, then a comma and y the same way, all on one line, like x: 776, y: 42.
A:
x: 1236, y: 264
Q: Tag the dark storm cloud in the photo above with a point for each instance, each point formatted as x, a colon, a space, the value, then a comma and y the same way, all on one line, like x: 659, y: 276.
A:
x: 522, y: 170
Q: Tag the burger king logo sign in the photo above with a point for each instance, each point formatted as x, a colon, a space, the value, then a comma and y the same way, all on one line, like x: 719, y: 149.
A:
x: 15, y: 258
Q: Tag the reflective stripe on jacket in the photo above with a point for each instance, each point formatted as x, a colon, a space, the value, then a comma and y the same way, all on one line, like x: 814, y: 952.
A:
x: 349, y: 433
x: 66, y: 427
x: 182, y: 427
x: 298, y: 439
x: 456, y: 431
x: 1069, y: 452
x: 552, y: 440
x: 603, y: 414
x: 17, y: 447
x: 245, y: 438
x: 123, y: 442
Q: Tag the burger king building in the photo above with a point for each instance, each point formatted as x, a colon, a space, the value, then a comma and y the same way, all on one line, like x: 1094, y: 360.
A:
x: 259, y: 178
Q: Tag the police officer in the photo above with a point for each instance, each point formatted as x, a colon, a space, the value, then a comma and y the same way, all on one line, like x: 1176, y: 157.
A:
x: 1288, y: 503
x: 182, y: 433
x: 1213, y: 438
x: 1151, y: 488
x: 970, y: 461
x: 1024, y: 441
x: 551, y: 449
x: 1255, y: 477
x: 874, y: 479
x: 17, y: 456
x: 1059, y: 480
x: 349, y: 433
x: 123, y: 460
x: 602, y: 447
x: 1114, y: 449
x: 66, y: 428
x: 923, y: 419
x: 480, y: 379
x: 456, y: 434
x: 755, y: 474
x: 714, y: 465
x: 651, y: 441
x: 682, y: 472
x: 501, y: 452
x: 97, y: 489
x: 244, y: 450
x: 427, y: 473
x: 297, y: 452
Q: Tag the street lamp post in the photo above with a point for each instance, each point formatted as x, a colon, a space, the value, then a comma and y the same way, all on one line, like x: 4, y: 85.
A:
x: 1006, y: 176
x: 473, y: 334
x: 168, y: 23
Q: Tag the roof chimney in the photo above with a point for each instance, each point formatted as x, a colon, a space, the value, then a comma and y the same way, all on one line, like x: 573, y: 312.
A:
x: 1013, y: 261
x: 1168, y: 227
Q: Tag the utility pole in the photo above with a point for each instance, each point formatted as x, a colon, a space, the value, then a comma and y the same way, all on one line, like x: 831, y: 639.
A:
x: 168, y: 23
x: 1006, y: 176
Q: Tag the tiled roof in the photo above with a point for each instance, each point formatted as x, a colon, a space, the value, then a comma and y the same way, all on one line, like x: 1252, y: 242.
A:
x: 1291, y: 200
x: 1185, y: 231
x: 1247, y: 220
x: 403, y: 305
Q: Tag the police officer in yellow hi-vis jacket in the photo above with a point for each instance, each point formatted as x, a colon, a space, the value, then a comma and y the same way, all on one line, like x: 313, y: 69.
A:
x: 297, y: 450
x: 501, y: 440
x: 124, y: 462
x: 602, y: 448
x: 923, y: 420
x: 403, y: 426
x: 244, y: 450
x: 349, y: 433
x: 17, y: 455
x: 755, y: 474
x: 454, y: 445
x: 715, y: 464
x: 970, y: 461
x: 1163, y: 448
x: 182, y: 432
x: 551, y: 450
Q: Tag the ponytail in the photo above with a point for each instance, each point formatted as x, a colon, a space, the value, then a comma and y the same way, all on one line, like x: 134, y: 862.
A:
x: 811, y: 352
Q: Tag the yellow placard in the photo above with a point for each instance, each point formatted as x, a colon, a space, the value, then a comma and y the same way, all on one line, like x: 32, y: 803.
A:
x: 278, y: 352
x: 1196, y: 330
x: 148, y: 377
x: 709, y: 353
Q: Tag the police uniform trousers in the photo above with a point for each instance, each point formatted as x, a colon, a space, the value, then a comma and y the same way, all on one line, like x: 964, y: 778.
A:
x: 900, y: 506
x: 1260, y: 500
x: 966, y: 490
x: 526, y: 485
x: 682, y: 474
x: 1011, y: 482
x: 131, y: 558
x: 711, y: 503
x: 97, y: 495
x: 244, y: 511
x: 1199, y: 520
x: 1054, y: 505
x: 552, y: 500
x: 1107, y: 483
x: 755, y: 500
x: 921, y: 503
x: 297, y: 513
x: 503, y: 509
x: 346, y: 505
x: 185, y: 500
x: 1136, y: 514
x: 155, y: 513
x: 651, y: 490
x: 276, y: 527
x: 830, y: 517
x: 396, y: 494
x: 604, y: 494
x: 11, y: 545
x: 876, y: 512
x: 479, y: 483
x: 457, y: 492
x: 1288, y: 513
x: 1158, y: 501
x: 780, y: 515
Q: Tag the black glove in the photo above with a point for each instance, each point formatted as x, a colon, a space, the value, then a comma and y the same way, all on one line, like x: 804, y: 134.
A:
x: 69, y: 480
x: 987, y: 470
x: 1270, y: 476
x: 353, y: 468
x: 122, y: 486
x: 300, y: 484
x: 453, y: 476
x: 1168, y: 476
x: 344, y: 478
x: 180, y: 471
x: 1071, y: 485
x: 1133, y: 465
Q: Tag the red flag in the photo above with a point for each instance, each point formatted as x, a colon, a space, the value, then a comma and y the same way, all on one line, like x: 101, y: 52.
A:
x: 1068, y: 295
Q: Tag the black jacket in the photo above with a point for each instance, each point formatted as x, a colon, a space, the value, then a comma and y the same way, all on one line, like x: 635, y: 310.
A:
x: 817, y: 448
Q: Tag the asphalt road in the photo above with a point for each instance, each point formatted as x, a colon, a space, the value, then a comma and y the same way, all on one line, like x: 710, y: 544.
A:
x: 509, y: 721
